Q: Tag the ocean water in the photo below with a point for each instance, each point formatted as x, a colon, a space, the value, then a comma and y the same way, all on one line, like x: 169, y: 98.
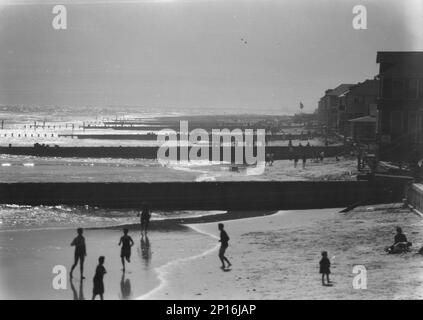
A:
x: 16, y: 217
x: 60, y: 120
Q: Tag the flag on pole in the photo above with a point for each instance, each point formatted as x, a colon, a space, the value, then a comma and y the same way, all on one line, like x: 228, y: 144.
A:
x: 301, y: 106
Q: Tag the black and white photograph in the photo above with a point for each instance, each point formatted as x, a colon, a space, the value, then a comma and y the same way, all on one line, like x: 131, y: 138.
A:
x: 211, y: 150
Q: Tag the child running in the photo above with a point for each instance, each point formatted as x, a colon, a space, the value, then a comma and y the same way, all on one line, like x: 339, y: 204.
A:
x: 125, y: 252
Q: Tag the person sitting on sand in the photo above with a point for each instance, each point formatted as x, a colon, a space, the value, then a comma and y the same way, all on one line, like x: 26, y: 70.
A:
x: 401, y: 244
x: 224, y: 243
x: 80, y: 252
x: 125, y: 252
x: 325, y: 267
x: 100, y: 271
x: 145, y: 217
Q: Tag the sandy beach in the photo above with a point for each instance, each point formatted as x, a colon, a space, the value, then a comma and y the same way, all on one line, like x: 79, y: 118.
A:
x: 276, y: 257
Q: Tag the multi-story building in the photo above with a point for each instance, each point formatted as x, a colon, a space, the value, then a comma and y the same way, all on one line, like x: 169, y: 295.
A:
x: 328, y: 107
x: 400, y: 106
x: 357, y: 102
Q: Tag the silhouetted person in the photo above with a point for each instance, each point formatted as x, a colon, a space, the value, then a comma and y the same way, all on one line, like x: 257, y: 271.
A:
x: 100, y: 271
x: 145, y: 249
x: 125, y: 287
x: 224, y: 243
x: 325, y: 267
x: 399, y: 237
x: 125, y: 252
x: 145, y: 217
x: 401, y: 243
x: 77, y: 296
x: 80, y: 252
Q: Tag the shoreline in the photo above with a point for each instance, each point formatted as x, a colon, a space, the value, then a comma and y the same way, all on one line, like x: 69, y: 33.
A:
x: 166, y: 270
x: 281, y: 271
x: 46, y: 247
x: 286, y: 246
x: 162, y: 271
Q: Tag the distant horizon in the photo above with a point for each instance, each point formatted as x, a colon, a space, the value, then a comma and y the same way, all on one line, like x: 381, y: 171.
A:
x: 236, y: 110
x: 208, y: 55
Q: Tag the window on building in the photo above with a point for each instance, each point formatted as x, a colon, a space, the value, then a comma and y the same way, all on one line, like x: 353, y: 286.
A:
x: 396, y: 123
x: 387, y: 88
x: 412, y: 122
x: 411, y: 86
x: 398, y: 88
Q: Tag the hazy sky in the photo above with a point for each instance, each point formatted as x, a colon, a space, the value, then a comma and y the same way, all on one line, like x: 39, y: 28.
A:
x: 180, y: 53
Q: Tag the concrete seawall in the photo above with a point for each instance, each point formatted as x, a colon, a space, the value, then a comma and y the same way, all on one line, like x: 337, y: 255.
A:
x: 150, y: 152
x: 154, y: 136
x: 205, y: 195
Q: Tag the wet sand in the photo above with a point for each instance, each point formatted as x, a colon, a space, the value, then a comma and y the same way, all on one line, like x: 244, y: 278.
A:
x: 274, y: 256
x: 277, y: 257
x: 27, y: 259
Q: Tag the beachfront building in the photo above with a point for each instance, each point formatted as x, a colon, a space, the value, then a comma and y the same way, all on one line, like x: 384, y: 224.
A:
x: 329, y: 105
x: 363, y: 129
x: 400, y: 107
x: 359, y: 103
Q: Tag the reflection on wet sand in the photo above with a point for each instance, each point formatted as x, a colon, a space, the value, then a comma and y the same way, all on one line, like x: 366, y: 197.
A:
x: 145, y: 250
x: 125, y: 288
x: 76, y: 295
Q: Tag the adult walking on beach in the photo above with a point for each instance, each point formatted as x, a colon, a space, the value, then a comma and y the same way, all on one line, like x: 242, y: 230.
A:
x: 145, y: 217
x: 80, y: 252
x: 224, y: 243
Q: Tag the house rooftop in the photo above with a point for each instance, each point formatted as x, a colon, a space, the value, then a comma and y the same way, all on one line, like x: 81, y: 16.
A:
x: 398, y: 56
x: 339, y: 90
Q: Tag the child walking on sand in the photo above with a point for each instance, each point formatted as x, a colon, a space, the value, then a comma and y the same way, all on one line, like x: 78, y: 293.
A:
x: 125, y: 252
x: 80, y: 253
x: 100, y: 271
x: 224, y: 239
x: 325, y: 267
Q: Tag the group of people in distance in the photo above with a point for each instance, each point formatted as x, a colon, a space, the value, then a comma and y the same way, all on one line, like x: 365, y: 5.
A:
x: 125, y: 242
x: 401, y: 245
